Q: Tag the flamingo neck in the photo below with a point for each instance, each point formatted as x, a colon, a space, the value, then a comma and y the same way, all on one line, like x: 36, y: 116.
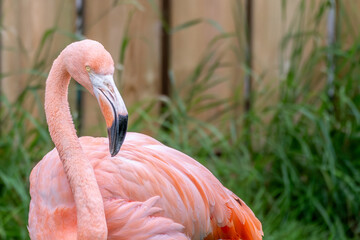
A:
x: 91, y: 223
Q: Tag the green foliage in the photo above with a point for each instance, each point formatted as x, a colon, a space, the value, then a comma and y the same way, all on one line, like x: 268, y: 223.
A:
x: 300, y: 174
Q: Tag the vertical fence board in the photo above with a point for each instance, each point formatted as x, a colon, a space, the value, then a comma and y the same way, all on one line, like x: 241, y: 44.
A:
x: 267, y: 34
x: 191, y: 44
x: 140, y: 75
x: 25, y: 23
x: 271, y: 24
x: 349, y: 19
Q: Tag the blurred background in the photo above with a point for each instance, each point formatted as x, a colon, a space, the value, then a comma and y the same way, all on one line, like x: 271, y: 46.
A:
x: 263, y: 93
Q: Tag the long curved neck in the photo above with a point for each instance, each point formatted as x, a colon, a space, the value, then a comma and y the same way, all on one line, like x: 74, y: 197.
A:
x: 91, y: 223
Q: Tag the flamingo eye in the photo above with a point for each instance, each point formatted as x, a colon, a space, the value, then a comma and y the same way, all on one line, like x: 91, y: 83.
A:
x: 88, y: 68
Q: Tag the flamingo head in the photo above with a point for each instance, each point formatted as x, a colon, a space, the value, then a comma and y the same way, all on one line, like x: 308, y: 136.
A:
x: 92, y: 66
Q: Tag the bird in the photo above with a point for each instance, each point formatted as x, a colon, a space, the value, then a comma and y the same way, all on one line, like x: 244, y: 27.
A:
x: 125, y: 186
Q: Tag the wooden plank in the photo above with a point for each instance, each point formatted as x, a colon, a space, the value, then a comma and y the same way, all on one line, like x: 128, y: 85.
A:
x: 190, y: 45
x: 271, y: 24
x: 25, y: 23
x: 140, y: 76
x: 268, y: 30
x: 348, y: 21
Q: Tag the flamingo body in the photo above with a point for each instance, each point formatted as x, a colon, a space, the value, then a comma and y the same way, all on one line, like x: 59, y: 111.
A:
x: 86, y: 188
x: 173, y: 193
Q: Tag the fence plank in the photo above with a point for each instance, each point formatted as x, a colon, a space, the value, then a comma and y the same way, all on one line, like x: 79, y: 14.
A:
x: 25, y: 23
x: 267, y: 34
x: 349, y: 20
x: 140, y: 76
x: 271, y: 23
x: 190, y: 45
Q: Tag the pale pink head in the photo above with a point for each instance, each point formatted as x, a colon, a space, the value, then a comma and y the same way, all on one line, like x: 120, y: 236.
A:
x: 92, y: 66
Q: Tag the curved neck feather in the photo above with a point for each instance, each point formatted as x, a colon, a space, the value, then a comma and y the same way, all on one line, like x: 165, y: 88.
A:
x: 79, y: 172
x: 61, y: 127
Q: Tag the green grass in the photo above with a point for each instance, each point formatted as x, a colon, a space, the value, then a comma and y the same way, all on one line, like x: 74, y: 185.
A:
x: 301, y: 172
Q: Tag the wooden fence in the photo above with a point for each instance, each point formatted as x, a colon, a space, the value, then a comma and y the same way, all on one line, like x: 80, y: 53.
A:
x: 29, y: 24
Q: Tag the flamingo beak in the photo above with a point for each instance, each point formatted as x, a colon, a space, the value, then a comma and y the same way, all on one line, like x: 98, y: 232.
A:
x: 113, y: 109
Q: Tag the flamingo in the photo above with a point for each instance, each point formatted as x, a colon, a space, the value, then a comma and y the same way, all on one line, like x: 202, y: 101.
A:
x: 85, y: 188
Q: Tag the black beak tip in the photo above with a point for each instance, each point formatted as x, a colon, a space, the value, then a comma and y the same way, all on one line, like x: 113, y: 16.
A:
x: 117, y: 133
x: 114, y: 152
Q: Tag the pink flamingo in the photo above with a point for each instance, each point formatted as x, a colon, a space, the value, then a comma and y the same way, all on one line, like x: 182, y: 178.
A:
x: 145, y: 191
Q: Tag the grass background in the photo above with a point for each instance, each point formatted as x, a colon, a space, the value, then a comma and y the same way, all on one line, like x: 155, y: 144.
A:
x: 295, y: 162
